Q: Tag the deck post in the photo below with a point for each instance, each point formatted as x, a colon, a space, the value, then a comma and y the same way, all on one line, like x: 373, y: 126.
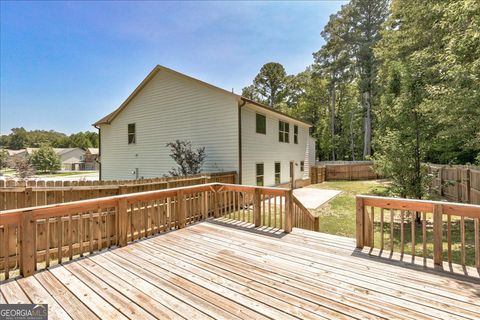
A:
x: 257, y: 216
x: 288, y: 211
x: 359, y: 222
x: 437, y: 234
x: 316, y: 224
x: 182, y: 209
x: 122, y: 226
x: 27, y: 244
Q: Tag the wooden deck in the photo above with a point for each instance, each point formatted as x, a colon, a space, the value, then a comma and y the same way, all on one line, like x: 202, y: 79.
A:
x: 214, y: 270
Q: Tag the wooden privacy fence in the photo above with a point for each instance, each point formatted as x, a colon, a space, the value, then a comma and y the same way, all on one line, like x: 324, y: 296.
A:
x: 37, y: 237
x: 444, y: 231
x: 456, y: 183
x: 317, y: 174
x: 343, y: 170
x: 22, y: 194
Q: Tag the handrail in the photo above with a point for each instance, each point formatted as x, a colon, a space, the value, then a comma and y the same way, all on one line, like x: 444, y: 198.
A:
x: 301, y: 213
x: 410, y: 213
x: 65, y: 230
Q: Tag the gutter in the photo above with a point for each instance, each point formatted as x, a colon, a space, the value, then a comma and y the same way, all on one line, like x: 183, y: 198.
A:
x: 240, y: 160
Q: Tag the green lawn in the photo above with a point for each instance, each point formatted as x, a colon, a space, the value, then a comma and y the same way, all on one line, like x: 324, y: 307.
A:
x: 62, y: 174
x: 338, y: 215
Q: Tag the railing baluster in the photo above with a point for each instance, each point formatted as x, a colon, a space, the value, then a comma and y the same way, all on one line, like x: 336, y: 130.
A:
x: 413, y: 216
x: 275, y: 211
x: 90, y: 235
x: 381, y: 229
x: 449, y: 238
x: 80, y: 233
x: 60, y: 239
x: 47, y: 246
x: 99, y: 230
x: 462, y: 239
x: 372, y: 226
x: 392, y: 226
x: 424, y: 234
x: 282, y: 199
x: 477, y: 242
x: 70, y: 249
x: 6, y: 250
x: 402, y: 232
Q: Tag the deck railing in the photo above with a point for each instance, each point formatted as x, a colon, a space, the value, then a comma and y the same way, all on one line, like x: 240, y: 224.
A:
x: 37, y: 237
x: 302, y: 218
x: 443, y: 231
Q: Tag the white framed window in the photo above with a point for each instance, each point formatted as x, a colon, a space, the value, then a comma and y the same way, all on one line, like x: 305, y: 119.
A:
x: 259, y: 173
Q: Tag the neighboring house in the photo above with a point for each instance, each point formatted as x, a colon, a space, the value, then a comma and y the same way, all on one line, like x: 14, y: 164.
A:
x: 72, y: 159
x: 260, y: 143
x: 15, y: 154
x: 91, y: 159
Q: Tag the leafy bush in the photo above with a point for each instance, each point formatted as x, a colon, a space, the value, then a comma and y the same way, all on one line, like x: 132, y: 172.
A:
x: 23, y: 167
x: 45, y: 159
x: 189, y: 161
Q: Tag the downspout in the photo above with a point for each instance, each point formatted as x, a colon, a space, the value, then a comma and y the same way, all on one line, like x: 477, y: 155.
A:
x: 240, y: 160
x: 99, y: 153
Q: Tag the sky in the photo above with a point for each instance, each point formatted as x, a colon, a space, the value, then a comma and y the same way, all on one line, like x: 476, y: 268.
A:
x: 64, y: 65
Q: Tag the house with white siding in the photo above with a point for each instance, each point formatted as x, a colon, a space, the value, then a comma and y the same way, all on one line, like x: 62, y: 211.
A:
x: 264, y: 146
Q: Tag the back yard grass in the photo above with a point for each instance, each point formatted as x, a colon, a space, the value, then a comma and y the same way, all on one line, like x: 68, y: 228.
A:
x: 338, y: 217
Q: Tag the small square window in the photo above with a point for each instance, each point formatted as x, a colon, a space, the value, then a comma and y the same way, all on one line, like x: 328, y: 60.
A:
x: 261, y: 126
x: 131, y: 133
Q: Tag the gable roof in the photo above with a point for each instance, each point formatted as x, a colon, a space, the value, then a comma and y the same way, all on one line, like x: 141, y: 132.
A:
x: 109, y: 117
x: 92, y: 150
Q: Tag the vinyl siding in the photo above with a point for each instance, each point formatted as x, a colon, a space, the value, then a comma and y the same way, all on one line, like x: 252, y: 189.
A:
x: 168, y: 108
x: 265, y: 148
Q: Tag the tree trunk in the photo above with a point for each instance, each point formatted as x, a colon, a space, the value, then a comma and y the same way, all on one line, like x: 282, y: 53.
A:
x: 367, y: 123
x: 352, y: 142
x: 332, y: 114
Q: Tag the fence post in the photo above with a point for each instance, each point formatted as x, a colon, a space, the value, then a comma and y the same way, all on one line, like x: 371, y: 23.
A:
x: 288, y: 211
x: 459, y: 185
x: 182, y: 209
x: 27, y: 244
x: 437, y: 234
x: 440, y: 175
x: 468, y: 186
x: 359, y: 222
x: 257, y: 217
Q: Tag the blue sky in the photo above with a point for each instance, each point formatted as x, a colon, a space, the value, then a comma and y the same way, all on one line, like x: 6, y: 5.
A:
x: 64, y: 65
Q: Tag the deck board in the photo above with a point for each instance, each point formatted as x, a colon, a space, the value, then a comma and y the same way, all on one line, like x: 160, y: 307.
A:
x: 223, y: 271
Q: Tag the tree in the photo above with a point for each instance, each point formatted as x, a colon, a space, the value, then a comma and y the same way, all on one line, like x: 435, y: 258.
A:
x: 18, y: 139
x: 269, y: 85
x: 3, y: 159
x: 189, y: 161
x: 22, y: 166
x: 347, y: 58
x: 45, y: 159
